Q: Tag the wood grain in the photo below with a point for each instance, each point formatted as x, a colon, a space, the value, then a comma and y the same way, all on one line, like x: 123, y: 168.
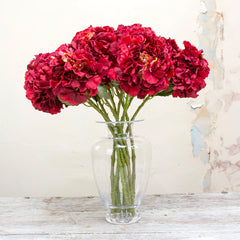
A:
x: 179, y: 216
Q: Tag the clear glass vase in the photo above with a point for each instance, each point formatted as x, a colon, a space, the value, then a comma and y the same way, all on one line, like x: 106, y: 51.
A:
x: 121, y: 164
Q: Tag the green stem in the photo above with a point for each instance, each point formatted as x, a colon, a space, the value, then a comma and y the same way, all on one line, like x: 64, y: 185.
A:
x: 133, y: 154
x: 113, y: 104
x: 124, y: 181
x: 103, y: 113
x: 116, y: 188
x: 115, y: 199
x: 112, y: 108
x: 126, y: 106
x: 140, y: 106
x: 113, y: 193
x: 133, y: 163
x: 132, y: 176
x: 123, y: 164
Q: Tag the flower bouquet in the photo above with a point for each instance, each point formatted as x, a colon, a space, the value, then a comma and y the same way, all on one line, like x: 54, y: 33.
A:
x: 106, y: 69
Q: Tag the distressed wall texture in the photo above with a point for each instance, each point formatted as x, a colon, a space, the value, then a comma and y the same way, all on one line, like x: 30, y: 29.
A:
x: 222, y: 106
x: 195, y: 142
x: 215, y: 133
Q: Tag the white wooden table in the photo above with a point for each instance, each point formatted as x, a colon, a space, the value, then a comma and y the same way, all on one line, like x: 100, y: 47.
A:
x: 179, y: 216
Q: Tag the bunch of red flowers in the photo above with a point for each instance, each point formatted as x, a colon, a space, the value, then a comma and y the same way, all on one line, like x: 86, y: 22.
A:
x: 139, y: 62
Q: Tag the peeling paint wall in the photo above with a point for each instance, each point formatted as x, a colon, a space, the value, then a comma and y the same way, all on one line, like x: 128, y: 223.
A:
x: 224, y: 169
x: 215, y: 131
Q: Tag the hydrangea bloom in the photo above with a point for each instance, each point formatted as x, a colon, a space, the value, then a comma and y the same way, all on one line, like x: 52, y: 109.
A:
x: 190, y: 71
x: 144, y: 63
x: 141, y: 62
x: 38, y: 84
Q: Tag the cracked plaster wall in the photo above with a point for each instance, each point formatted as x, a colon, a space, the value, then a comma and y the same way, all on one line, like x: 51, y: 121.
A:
x: 215, y: 132
x: 218, y: 119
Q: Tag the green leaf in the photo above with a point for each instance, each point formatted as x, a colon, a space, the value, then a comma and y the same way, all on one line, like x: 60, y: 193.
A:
x: 64, y: 102
x: 103, y: 91
x: 115, y: 83
x: 165, y: 93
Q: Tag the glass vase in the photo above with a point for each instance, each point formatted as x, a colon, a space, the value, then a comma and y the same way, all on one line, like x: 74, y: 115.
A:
x: 121, y: 164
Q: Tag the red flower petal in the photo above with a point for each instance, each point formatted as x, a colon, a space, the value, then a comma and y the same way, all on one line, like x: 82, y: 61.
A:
x: 147, y: 76
x: 73, y: 98
x: 93, y: 82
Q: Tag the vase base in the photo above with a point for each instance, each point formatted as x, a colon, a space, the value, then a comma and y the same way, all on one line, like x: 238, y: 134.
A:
x: 124, y: 216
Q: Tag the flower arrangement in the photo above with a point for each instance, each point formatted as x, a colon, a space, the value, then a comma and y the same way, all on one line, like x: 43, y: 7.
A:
x: 106, y: 69
x: 130, y: 61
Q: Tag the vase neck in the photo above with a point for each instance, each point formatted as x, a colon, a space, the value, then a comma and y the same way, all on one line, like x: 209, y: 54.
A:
x: 121, y: 129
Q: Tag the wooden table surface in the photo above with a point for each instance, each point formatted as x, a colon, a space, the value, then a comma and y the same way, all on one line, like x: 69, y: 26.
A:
x: 179, y: 216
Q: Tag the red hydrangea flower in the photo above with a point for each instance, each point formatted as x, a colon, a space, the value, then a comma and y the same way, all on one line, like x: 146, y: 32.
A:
x: 38, y: 87
x: 100, y: 48
x: 190, y: 71
x: 73, y: 79
x: 141, y: 62
x: 144, y: 62
x: 172, y: 46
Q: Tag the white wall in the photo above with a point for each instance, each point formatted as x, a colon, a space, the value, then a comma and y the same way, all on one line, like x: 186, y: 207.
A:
x: 44, y: 155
